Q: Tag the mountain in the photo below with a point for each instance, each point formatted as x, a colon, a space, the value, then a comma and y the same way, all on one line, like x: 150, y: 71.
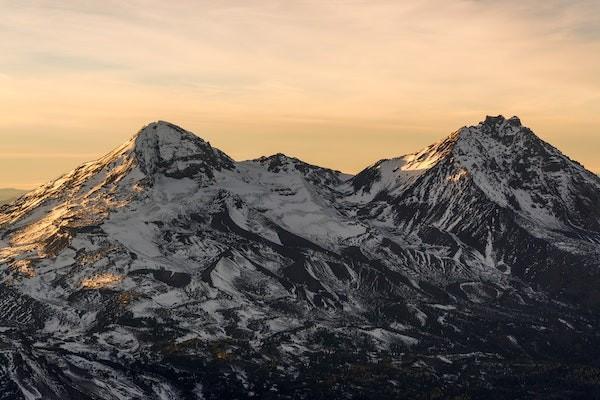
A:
x: 9, y: 194
x: 166, y: 269
x: 501, y: 190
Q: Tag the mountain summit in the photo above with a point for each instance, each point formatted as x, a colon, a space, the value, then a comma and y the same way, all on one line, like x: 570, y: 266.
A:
x: 162, y: 146
x: 505, y: 162
x: 166, y: 269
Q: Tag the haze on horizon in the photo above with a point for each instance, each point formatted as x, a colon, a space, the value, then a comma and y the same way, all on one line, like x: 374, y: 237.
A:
x: 336, y: 83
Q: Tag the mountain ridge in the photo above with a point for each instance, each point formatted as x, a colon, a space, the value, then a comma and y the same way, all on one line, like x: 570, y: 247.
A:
x: 167, y: 265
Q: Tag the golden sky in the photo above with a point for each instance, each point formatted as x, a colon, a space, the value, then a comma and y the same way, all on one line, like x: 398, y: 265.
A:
x: 336, y: 83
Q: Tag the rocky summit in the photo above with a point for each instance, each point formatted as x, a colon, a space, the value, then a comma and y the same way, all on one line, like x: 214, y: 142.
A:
x: 168, y: 270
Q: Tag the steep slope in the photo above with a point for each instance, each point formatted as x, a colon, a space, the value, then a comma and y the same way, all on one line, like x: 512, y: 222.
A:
x: 496, y: 187
x: 168, y: 270
x: 44, y: 220
x: 394, y: 176
x: 509, y: 164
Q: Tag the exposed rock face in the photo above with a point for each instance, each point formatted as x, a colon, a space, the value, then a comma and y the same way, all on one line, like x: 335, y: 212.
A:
x: 168, y: 270
x: 168, y: 149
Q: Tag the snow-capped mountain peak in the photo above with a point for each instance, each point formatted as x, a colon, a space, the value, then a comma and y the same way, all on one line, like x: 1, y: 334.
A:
x: 505, y: 161
x: 165, y: 147
x: 518, y: 170
x: 171, y: 262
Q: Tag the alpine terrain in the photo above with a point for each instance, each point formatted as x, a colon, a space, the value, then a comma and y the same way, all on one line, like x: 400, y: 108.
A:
x: 168, y: 270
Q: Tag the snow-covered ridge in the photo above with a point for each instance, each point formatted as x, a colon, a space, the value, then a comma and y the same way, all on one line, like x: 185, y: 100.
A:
x: 167, y: 249
x: 507, y: 162
x: 511, y: 166
x: 44, y: 220
x: 319, y: 176
x: 518, y: 170
x: 393, y: 176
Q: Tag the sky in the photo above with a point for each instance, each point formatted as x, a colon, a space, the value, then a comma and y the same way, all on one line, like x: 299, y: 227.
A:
x: 337, y: 83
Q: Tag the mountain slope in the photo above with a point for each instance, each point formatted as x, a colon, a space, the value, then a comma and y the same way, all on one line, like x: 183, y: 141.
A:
x: 168, y: 270
x: 528, y: 209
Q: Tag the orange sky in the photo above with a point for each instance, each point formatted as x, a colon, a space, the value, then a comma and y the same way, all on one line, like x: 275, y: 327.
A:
x: 337, y: 83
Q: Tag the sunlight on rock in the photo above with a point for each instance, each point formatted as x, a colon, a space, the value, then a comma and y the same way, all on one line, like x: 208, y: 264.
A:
x: 24, y: 267
x: 461, y: 174
x: 101, y: 281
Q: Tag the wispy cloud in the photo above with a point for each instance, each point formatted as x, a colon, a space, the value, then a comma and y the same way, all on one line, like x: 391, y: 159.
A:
x: 69, y: 62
